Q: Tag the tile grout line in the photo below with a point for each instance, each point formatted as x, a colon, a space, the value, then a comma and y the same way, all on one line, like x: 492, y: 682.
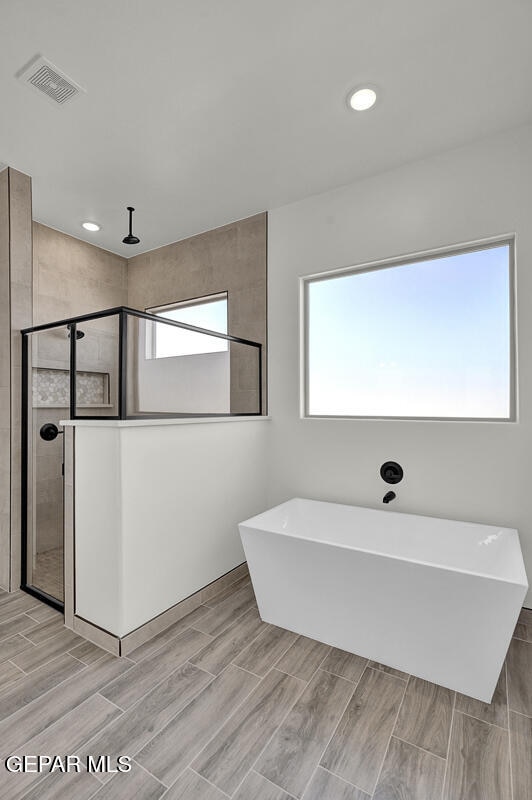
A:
x: 16, y: 666
x: 24, y: 637
x: 203, y: 778
x: 52, y: 635
x: 122, y: 710
x: 383, y: 672
x: 521, y: 713
x: 45, y: 663
x: 292, y: 796
x: 448, y: 747
x: 148, y: 772
x: 407, y: 683
x: 249, y: 672
x: 478, y: 719
x: 344, y: 677
x: 505, y: 667
x: 423, y: 750
x: 350, y: 783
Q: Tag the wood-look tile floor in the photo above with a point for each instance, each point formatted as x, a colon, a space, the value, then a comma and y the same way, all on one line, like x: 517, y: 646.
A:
x: 223, y: 705
x: 48, y: 573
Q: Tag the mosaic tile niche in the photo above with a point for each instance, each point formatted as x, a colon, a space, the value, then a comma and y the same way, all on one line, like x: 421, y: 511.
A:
x: 51, y: 387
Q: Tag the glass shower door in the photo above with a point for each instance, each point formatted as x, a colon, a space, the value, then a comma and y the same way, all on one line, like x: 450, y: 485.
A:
x: 47, y: 403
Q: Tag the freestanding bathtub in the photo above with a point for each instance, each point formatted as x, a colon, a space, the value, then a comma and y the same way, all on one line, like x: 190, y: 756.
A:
x: 433, y: 597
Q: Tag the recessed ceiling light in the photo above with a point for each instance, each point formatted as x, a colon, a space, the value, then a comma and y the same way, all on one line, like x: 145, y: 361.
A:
x: 362, y: 99
x: 90, y: 226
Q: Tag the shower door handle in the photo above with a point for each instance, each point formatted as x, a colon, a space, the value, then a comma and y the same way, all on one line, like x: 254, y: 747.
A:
x: 49, y: 432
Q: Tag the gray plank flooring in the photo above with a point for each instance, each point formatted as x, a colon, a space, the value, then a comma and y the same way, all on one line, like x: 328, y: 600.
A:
x: 303, y: 658
x: 265, y: 650
x: 425, y: 716
x: 224, y: 613
x: 256, y: 787
x: 389, y: 670
x: 345, y: 665
x: 133, y: 729
x: 478, y: 765
x: 216, y: 655
x: 521, y: 755
x: 9, y: 674
x: 191, y: 786
x: 358, y: 747
x: 292, y: 755
x: 129, y: 688
x: 229, y: 756
x: 174, y: 747
x: 519, y: 665
x: 326, y: 786
x: 409, y: 772
x: 246, y: 710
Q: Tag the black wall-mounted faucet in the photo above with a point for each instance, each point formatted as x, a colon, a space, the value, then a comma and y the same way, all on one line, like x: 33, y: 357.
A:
x: 388, y: 497
x: 392, y: 472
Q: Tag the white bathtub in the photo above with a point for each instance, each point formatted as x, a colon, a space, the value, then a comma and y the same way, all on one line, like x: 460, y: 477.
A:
x: 435, y: 598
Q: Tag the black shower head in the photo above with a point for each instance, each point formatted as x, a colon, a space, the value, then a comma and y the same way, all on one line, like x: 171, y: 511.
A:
x: 79, y: 334
x: 130, y: 238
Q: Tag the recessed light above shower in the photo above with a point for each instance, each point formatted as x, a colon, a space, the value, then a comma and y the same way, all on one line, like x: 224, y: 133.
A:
x: 91, y: 226
x: 362, y: 98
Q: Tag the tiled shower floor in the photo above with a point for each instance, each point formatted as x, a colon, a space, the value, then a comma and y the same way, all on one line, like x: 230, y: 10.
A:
x: 222, y: 705
x: 48, y: 573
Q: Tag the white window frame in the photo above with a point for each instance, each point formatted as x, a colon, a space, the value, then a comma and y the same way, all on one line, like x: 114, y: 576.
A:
x: 442, y: 252
x: 151, y: 330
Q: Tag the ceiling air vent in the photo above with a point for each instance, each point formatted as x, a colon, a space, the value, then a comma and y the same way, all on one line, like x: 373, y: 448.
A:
x: 44, y: 76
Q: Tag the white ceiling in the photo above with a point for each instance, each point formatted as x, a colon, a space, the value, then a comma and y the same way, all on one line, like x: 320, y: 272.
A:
x: 200, y: 112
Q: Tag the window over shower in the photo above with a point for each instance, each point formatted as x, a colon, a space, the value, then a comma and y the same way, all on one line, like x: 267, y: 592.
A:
x: 208, y: 312
x: 425, y: 337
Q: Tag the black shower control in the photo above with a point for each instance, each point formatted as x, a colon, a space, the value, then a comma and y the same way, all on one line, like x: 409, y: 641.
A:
x: 49, y: 432
x: 391, y: 472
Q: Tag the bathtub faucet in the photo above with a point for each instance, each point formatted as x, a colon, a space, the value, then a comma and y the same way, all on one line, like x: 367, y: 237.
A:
x: 388, y: 497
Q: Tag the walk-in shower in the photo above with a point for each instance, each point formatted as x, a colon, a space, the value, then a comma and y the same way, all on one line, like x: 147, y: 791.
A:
x: 111, y: 367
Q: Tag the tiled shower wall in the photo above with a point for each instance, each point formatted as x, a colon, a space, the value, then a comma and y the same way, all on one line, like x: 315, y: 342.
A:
x: 70, y: 278
x: 15, y: 313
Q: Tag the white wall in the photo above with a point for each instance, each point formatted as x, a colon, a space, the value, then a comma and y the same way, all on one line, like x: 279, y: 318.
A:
x: 476, y: 471
x: 157, y: 508
x: 197, y: 384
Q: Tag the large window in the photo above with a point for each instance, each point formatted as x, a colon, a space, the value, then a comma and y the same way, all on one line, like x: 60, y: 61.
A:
x: 429, y: 337
x: 165, y: 341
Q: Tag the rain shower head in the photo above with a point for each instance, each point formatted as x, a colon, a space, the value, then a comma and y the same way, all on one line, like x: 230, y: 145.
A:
x: 130, y: 238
